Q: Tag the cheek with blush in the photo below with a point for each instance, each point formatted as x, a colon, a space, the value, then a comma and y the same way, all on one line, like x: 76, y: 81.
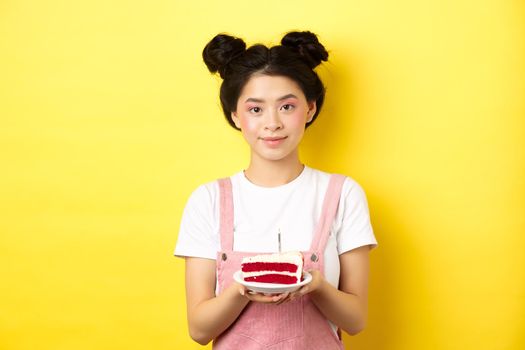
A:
x: 297, y: 119
x: 248, y: 124
x: 249, y: 128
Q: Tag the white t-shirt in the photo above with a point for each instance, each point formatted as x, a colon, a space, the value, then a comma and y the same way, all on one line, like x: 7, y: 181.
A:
x: 260, y: 212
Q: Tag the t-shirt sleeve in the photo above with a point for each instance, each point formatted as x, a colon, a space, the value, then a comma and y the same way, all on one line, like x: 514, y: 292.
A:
x: 355, y: 229
x: 198, y: 234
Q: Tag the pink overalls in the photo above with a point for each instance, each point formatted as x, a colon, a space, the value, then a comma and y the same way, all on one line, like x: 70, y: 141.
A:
x: 292, y: 325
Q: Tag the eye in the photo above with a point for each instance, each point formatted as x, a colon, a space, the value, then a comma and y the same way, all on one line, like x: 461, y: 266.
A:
x: 255, y: 110
x: 288, y: 107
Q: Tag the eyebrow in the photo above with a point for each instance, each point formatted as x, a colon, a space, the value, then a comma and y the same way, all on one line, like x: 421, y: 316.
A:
x: 258, y: 100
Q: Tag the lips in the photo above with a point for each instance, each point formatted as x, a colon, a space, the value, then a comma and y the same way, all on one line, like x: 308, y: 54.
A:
x: 273, y: 141
x: 273, y: 138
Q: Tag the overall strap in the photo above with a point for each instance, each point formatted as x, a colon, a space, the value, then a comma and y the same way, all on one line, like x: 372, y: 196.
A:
x: 330, y: 204
x: 226, y: 213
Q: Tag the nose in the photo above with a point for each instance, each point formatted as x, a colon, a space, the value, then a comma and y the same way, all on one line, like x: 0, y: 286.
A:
x: 273, y: 122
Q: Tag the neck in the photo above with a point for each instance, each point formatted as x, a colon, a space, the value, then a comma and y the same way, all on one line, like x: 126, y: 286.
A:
x: 270, y: 173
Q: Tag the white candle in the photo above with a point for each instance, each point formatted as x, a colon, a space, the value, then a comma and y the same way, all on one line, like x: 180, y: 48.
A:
x: 279, y: 239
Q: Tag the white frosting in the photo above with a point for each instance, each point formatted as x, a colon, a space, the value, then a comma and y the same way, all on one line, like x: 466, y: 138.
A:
x: 288, y: 257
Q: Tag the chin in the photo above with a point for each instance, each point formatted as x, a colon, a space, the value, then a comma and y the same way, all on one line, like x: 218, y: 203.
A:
x: 274, y: 157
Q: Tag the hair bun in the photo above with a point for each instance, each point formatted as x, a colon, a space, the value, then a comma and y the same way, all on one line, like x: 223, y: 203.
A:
x: 220, y: 51
x: 307, y: 45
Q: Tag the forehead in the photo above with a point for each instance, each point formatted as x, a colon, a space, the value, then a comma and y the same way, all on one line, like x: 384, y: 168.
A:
x: 268, y: 87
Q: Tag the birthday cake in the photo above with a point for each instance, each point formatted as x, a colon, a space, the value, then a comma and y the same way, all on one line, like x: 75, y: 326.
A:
x: 279, y: 268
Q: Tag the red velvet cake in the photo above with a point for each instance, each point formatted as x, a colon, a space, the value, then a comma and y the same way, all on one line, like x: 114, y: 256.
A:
x: 279, y: 268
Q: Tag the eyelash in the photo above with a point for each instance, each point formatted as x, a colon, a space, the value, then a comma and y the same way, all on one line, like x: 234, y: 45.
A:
x: 289, y: 105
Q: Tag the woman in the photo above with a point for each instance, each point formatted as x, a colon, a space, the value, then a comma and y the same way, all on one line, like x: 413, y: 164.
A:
x: 271, y: 95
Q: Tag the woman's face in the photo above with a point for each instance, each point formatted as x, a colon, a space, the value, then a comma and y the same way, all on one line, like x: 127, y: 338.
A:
x: 272, y: 113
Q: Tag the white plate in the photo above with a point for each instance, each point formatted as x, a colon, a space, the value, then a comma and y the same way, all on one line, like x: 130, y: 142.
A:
x: 272, y: 288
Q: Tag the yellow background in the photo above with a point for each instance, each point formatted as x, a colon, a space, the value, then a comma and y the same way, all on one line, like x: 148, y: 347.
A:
x: 109, y: 119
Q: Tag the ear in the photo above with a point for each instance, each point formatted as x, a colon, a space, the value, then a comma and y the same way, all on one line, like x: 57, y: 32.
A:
x: 312, y: 108
x: 236, y: 120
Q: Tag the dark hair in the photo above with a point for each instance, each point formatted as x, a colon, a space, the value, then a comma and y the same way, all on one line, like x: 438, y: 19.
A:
x: 296, y: 57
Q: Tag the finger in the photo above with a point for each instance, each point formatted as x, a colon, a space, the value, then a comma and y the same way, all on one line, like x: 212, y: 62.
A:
x: 279, y: 298
x: 304, y: 290
x: 300, y: 292
x: 257, y: 298
x: 261, y: 298
x: 285, y: 297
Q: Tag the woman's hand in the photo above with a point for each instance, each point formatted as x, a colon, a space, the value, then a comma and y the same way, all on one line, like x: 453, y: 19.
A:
x: 345, y: 307
x: 317, y: 281
x: 261, y: 297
